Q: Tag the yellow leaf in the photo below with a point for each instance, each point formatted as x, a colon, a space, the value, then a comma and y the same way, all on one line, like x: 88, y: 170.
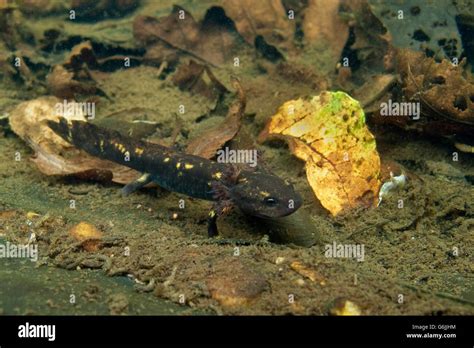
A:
x: 329, y: 133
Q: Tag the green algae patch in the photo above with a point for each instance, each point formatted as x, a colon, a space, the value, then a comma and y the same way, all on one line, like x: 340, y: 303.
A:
x: 329, y: 133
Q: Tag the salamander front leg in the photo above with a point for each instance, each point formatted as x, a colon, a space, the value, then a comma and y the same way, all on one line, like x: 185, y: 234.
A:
x: 137, y: 184
x: 212, y: 224
x: 220, y: 208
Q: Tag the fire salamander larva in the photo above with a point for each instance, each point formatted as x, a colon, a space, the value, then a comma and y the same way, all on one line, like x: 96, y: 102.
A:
x: 254, y: 193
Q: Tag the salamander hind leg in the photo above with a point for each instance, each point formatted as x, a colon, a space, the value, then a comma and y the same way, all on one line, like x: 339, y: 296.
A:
x: 137, y: 184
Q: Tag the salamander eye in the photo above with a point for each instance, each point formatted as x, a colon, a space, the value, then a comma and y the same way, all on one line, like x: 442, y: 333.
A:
x: 270, y: 201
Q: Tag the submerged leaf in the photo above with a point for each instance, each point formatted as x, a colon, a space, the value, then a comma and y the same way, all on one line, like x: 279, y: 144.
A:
x: 209, y: 41
x: 444, y: 88
x: 212, y: 140
x: 323, y: 24
x: 198, y: 79
x: 328, y: 132
x: 265, y: 18
x: 62, y: 84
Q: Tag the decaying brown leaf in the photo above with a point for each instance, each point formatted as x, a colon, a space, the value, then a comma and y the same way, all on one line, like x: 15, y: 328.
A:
x: 80, y: 54
x: 328, y: 132
x: 82, y: 166
x: 62, y: 84
x: 266, y: 18
x: 308, y: 272
x: 72, y: 78
x: 208, y: 41
x: 209, y: 142
x: 198, y: 79
x: 372, y: 41
x: 322, y: 24
x: 443, y: 88
x: 444, y: 93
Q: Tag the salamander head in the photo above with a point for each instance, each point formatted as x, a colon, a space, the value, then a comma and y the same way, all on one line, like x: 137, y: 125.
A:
x: 264, y: 195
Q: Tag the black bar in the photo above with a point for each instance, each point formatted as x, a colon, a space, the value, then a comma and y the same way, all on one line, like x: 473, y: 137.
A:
x: 244, y: 330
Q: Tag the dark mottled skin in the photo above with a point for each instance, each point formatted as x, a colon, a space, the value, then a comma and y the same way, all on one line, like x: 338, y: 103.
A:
x: 255, y: 193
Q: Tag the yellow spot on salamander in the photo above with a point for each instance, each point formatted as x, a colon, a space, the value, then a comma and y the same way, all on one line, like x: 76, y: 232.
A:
x: 212, y: 213
x: 143, y: 178
x: 138, y: 151
x: 178, y: 165
x: 217, y: 175
x: 120, y: 147
x: 188, y: 166
x: 167, y: 159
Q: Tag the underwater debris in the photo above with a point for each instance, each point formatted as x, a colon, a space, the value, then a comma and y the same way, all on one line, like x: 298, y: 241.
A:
x: 32, y: 215
x: 234, y: 284
x: 72, y: 77
x: 307, y: 272
x: 210, y: 141
x: 323, y: 24
x: 442, y: 92
x: 88, y: 234
x: 343, y: 307
x: 118, y: 304
x: 208, y: 41
x: 198, y: 79
x: 393, y: 183
x: 266, y: 19
x: 445, y: 89
x: 62, y: 84
x: 328, y: 132
x: 84, y: 230
x: 89, y: 10
x: 301, y: 73
x: 371, y: 42
x: 38, y: 8
x: 6, y: 69
x: 81, y: 54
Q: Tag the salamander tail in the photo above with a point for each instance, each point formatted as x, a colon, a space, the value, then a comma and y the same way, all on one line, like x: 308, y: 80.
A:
x: 104, y: 143
x: 81, y: 134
